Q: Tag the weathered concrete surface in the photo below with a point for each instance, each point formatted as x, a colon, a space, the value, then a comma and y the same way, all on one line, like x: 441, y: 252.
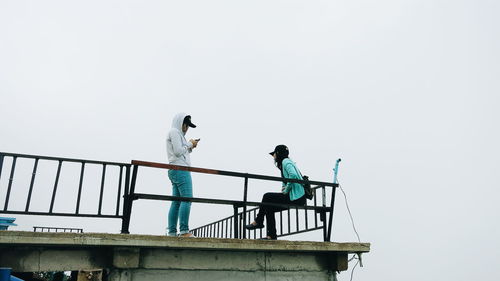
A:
x: 151, y: 241
x: 144, y: 257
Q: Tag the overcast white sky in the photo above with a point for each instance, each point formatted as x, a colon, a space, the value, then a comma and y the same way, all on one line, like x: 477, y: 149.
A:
x: 405, y: 92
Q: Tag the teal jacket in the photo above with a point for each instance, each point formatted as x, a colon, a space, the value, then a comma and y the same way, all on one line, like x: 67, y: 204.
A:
x: 290, y: 171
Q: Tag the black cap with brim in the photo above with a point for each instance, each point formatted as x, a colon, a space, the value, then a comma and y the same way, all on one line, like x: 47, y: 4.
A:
x: 187, y: 121
x: 280, y: 148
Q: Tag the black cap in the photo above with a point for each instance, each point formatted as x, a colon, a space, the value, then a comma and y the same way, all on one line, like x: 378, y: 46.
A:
x: 187, y: 121
x: 280, y: 150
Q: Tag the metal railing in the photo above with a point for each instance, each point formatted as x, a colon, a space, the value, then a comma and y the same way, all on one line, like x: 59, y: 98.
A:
x: 229, y: 227
x: 303, y: 222
x: 56, y: 229
x: 50, y: 210
x: 232, y: 227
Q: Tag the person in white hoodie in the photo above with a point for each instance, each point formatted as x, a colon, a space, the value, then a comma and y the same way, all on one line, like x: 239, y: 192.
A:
x: 178, y: 150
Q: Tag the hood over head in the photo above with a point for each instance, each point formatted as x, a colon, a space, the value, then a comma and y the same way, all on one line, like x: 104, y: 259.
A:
x: 179, y: 120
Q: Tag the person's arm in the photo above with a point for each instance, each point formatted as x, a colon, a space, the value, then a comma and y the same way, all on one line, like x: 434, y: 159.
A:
x: 177, y: 146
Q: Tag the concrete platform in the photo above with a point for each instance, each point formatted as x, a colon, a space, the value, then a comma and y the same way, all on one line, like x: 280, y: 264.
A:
x: 129, y: 257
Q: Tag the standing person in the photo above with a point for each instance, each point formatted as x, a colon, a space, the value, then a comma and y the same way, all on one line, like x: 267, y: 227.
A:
x: 178, y: 150
x: 291, y: 193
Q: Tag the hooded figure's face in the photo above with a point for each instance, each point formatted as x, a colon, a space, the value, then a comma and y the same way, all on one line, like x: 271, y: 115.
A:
x: 185, y: 128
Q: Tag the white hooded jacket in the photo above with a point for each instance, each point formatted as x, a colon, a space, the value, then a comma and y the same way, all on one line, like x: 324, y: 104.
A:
x: 178, y: 148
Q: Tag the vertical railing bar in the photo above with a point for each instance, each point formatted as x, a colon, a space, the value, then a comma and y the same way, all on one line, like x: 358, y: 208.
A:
x: 55, y: 186
x: 281, y: 222
x: 244, y: 214
x: 1, y: 164
x: 315, y: 213
x: 128, y: 202
x: 33, y: 174
x: 260, y: 232
x: 102, y: 188
x: 323, y: 196
x: 289, y: 221
x: 254, y: 217
x: 119, y: 191
x: 230, y: 225
x: 11, y: 179
x: 247, y: 222
x: 235, y: 218
x: 127, y: 182
x: 241, y: 222
x: 297, y: 218
x: 323, y: 219
x: 307, y: 225
x: 80, y: 185
x: 225, y: 236
x: 330, y: 222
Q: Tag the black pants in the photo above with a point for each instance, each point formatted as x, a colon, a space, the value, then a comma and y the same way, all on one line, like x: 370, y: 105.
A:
x: 268, y: 211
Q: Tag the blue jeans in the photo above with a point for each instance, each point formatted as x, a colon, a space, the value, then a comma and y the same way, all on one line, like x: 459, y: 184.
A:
x: 179, y: 210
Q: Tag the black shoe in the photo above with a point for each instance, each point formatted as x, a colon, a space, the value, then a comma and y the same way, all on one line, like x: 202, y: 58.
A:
x: 254, y: 226
x: 267, y: 238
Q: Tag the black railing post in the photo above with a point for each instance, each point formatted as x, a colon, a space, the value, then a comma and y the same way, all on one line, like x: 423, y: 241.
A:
x: 322, y: 217
x: 55, y: 186
x: 33, y: 174
x: 244, y: 215
x: 127, y: 205
x: 330, y: 221
x: 235, y: 221
x: 1, y: 164
x: 120, y: 179
x: 103, y: 178
x: 6, y: 205
x: 80, y: 185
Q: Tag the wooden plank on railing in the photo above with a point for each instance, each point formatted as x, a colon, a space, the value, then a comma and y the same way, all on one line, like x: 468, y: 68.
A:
x: 225, y: 173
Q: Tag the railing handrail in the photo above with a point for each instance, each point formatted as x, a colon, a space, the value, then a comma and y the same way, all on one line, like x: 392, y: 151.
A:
x: 76, y: 160
x: 237, y: 229
x: 224, y: 202
x: 226, y: 173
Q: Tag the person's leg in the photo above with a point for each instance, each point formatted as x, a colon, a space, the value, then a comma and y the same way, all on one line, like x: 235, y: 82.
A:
x: 186, y: 190
x: 263, y: 210
x: 278, y: 198
x: 302, y: 201
x: 173, y: 213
